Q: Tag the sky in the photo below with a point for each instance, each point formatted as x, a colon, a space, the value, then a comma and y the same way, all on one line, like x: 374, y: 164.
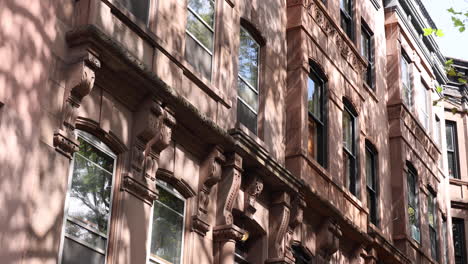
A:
x: 453, y: 43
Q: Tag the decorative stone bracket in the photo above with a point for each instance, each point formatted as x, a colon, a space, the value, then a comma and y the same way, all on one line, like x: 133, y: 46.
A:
x: 297, y: 216
x: 279, y: 240
x: 80, y: 82
x: 210, y: 174
x: 253, y: 190
x: 328, y: 239
x: 153, y: 130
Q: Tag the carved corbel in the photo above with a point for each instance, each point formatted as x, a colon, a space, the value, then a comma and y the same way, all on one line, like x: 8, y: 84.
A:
x: 253, y: 190
x: 297, y: 216
x: 210, y: 174
x: 228, y: 189
x: 328, y: 239
x: 370, y: 256
x: 80, y: 82
x: 279, y: 222
x: 153, y: 131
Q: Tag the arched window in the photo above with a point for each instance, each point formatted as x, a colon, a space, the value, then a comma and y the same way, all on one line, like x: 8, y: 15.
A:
x: 248, y: 79
x: 316, y: 99
x: 89, y: 202
x: 350, y: 147
x: 167, y: 226
x: 413, y: 202
x: 372, y: 182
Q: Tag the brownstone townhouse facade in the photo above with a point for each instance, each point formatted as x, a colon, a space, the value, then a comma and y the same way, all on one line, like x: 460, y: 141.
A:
x: 229, y: 131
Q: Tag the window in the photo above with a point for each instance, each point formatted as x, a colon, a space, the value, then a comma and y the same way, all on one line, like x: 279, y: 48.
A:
x: 432, y: 219
x: 458, y: 228
x: 349, y: 148
x: 241, y: 253
x: 452, y: 149
x: 140, y: 9
x: 413, y: 203
x: 300, y: 255
x: 87, y: 215
x: 367, y: 51
x: 247, y: 94
x: 423, y: 106
x: 200, y: 35
x: 346, y: 13
x: 167, y: 227
x: 371, y: 177
x: 407, y: 88
x: 317, y: 128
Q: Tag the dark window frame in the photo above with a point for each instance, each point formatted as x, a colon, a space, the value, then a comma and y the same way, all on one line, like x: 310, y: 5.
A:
x: 458, y: 227
x: 454, y: 150
x: 433, y: 234
x: 316, y: 75
x: 372, y: 191
x: 369, y: 77
x: 346, y: 19
x: 352, y: 154
x: 409, y: 89
x: 414, y: 190
x: 300, y: 255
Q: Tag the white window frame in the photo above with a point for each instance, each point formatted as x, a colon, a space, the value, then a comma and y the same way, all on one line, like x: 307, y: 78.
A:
x: 94, y: 141
x: 157, y: 260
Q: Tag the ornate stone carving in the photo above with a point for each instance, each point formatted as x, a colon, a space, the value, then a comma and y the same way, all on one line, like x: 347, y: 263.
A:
x: 280, y: 239
x: 328, y: 236
x: 229, y: 189
x: 80, y: 82
x: 152, y: 129
x: 139, y: 190
x: 210, y: 174
x: 227, y: 232
x: 253, y: 190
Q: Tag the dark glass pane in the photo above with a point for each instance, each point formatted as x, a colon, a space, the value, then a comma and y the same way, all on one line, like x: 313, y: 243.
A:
x: 95, y: 155
x: 248, y: 58
x: 312, y: 143
x: 451, y: 164
x: 140, y: 8
x: 168, y: 226
x: 449, y: 136
x: 346, y: 5
x: 75, y: 253
x: 372, y: 203
x: 200, y: 31
x: 348, y: 128
x: 90, y: 193
x: 370, y: 169
x: 85, y: 235
x: 314, y: 94
x: 248, y: 95
x: 433, y: 237
x: 365, y: 44
x: 300, y: 256
x: 203, y: 8
x: 246, y: 116
x: 458, y: 229
x: 198, y: 57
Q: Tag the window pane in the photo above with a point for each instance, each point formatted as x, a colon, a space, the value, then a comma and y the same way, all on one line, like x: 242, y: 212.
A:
x: 314, y: 98
x: 76, y: 253
x: 200, y: 31
x: 459, y: 240
x: 246, y: 116
x: 247, y: 94
x: 84, y: 235
x: 433, y: 237
x: 451, y: 164
x: 365, y: 44
x: 139, y: 8
x: 203, y: 8
x: 312, y: 144
x: 346, y: 5
x: 248, y: 58
x: 370, y: 170
x: 95, y: 155
x: 168, y: 226
x: 198, y: 57
x: 347, y: 131
x: 90, y: 194
x: 450, y: 136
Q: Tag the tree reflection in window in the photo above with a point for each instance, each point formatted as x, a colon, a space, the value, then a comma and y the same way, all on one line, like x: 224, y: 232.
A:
x: 89, y: 202
x: 167, y: 225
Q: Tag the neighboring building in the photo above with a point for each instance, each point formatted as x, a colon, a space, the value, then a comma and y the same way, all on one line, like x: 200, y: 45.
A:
x: 228, y: 131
